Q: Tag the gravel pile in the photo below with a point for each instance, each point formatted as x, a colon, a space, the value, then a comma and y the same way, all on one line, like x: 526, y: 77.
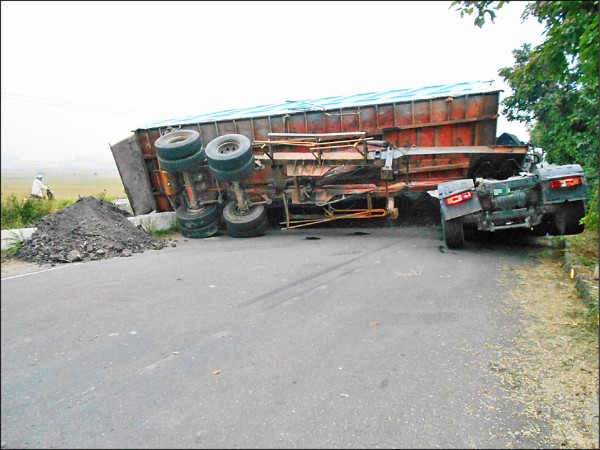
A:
x: 89, y: 229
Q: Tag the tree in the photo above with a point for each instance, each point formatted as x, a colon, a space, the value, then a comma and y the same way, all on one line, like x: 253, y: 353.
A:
x: 555, y: 85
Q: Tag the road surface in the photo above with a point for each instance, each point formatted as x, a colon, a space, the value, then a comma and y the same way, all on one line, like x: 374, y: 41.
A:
x: 311, y: 338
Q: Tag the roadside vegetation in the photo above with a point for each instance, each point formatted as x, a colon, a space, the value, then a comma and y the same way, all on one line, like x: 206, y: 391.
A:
x: 20, y: 212
x: 163, y: 233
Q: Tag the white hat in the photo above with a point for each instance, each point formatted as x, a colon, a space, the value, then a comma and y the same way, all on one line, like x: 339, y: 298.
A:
x: 39, y: 175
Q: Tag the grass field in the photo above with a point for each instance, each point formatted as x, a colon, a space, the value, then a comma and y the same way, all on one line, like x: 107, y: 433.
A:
x: 66, y: 185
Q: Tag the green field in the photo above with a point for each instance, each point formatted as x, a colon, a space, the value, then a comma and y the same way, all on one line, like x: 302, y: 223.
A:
x: 66, y: 185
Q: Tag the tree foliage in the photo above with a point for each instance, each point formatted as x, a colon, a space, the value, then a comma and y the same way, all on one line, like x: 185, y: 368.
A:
x: 555, y: 85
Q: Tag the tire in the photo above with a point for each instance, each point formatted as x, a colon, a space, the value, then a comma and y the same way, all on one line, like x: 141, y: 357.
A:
x: 236, y: 221
x: 178, y: 144
x: 543, y: 228
x: 183, y: 164
x: 241, y: 174
x: 566, y: 219
x: 540, y: 230
x: 196, y: 219
x: 469, y: 231
x: 202, y: 232
x: 258, y: 231
x: 453, y: 233
x: 483, y: 169
x: 229, y: 152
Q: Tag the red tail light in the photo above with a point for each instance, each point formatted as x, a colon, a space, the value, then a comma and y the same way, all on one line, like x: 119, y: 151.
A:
x: 458, y: 198
x: 566, y: 182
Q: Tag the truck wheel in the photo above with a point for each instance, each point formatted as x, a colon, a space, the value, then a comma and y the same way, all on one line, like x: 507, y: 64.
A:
x: 183, y: 164
x: 469, y: 230
x: 178, y: 144
x: 453, y: 233
x: 239, y: 221
x: 229, y: 152
x: 540, y: 230
x: 482, y: 169
x: 255, y: 232
x: 566, y: 219
x: 196, y: 219
x: 202, y: 232
x: 241, y: 174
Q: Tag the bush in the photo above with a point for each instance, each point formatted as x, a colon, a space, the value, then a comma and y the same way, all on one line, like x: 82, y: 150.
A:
x: 17, y: 213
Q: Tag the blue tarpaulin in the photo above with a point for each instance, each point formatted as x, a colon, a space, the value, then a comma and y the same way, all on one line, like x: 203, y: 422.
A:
x: 329, y: 103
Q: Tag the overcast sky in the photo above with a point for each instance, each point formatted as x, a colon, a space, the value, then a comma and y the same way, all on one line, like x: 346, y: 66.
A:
x: 78, y: 76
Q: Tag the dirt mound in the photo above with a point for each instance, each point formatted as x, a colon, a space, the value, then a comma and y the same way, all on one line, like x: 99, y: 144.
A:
x: 89, y: 229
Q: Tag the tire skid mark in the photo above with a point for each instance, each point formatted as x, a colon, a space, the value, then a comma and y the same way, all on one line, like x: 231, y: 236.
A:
x: 313, y: 277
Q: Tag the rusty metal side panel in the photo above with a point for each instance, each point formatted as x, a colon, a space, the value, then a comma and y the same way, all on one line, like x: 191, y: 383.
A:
x: 466, y: 120
x: 134, y: 175
x: 245, y: 127
x: 208, y: 131
x: 227, y: 127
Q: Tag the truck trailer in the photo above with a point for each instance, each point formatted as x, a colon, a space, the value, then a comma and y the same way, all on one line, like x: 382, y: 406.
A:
x: 317, y: 159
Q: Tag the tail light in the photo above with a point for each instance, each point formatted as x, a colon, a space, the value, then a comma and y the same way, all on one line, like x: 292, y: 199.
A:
x: 566, y: 182
x: 458, y: 198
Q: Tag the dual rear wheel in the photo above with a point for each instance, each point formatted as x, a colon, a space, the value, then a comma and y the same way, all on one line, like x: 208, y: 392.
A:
x: 230, y: 158
x: 251, y: 222
x: 198, y: 223
x: 180, y: 151
x: 204, y: 222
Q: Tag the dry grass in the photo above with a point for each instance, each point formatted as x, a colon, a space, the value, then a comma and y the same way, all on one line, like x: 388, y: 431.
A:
x: 551, y: 368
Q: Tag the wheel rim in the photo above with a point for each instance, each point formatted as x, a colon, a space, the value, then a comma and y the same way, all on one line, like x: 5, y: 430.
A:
x: 239, y: 213
x: 227, y: 147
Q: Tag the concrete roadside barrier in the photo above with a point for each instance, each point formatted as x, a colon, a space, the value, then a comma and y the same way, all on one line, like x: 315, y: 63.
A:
x: 11, y: 237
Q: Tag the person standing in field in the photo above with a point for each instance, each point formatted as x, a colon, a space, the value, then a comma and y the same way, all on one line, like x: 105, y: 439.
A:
x: 38, y: 188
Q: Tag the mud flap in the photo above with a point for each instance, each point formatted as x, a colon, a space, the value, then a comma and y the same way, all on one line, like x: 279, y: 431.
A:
x: 461, y: 208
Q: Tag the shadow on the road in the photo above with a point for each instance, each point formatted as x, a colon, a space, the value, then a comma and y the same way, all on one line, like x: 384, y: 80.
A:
x: 414, y: 208
x: 509, y: 238
x: 417, y: 209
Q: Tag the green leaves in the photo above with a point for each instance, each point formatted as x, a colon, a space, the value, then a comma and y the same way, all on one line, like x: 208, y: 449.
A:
x: 482, y: 8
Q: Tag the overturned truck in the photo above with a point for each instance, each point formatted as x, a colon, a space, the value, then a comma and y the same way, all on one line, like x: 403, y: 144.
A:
x: 314, y: 159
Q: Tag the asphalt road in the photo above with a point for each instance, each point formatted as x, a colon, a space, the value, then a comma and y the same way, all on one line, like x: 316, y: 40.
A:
x: 308, y: 338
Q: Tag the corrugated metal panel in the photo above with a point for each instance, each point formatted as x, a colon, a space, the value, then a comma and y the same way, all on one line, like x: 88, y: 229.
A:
x: 328, y: 103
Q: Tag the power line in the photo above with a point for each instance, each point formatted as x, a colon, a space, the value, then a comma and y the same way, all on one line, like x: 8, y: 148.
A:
x: 71, y: 105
